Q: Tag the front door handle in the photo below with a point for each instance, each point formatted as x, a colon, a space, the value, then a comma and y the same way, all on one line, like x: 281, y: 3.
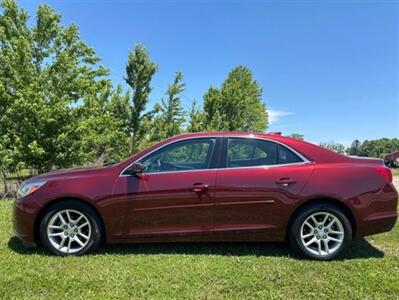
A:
x: 199, y: 187
x: 285, y: 181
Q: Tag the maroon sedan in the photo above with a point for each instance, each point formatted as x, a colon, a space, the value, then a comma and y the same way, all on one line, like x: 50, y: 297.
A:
x: 212, y: 187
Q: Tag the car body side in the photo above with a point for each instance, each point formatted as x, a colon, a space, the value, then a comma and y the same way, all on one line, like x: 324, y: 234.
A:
x: 368, y: 200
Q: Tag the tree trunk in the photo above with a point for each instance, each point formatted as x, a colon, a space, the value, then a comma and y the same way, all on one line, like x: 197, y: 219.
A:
x: 133, y: 151
x: 5, y: 186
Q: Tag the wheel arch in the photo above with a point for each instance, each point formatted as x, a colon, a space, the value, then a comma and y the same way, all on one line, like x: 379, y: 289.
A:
x: 319, y: 200
x: 48, y: 205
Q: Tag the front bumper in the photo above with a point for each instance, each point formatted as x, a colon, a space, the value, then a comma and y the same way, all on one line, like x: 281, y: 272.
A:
x: 24, y: 215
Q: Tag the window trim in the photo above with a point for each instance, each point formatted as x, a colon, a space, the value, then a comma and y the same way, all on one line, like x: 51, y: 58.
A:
x: 217, y: 155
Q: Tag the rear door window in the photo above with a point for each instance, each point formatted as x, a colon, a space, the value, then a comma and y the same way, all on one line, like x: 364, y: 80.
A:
x: 243, y: 152
x: 251, y: 152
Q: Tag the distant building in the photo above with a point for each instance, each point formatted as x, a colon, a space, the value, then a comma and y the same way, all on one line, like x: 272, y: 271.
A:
x: 392, y: 159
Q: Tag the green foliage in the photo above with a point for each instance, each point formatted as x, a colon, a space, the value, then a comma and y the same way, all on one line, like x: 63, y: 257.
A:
x: 58, y: 108
x: 369, y: 148
x: 237, y: 105
x: 215, y: 120
x: 51, y: 89
x: 354, y: 149
x: 168, y: 116
x: 197, y: 117
x: 103, y: 125
x: 378, y: 148
x: 139, y: 72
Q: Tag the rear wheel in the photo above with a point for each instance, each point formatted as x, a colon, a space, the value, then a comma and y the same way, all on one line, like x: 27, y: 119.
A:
x: 320, y: 232
x: 70, y: 228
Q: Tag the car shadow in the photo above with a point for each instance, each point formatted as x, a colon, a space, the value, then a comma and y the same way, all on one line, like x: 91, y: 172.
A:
x: 360, y: 248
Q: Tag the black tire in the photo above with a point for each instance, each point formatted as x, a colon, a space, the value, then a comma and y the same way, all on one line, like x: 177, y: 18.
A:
x: 294, y: 234
x: 95, y: 236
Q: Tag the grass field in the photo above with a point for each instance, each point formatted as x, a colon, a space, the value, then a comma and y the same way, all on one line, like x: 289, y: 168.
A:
x: 395, y: 172
x: 370, y: 270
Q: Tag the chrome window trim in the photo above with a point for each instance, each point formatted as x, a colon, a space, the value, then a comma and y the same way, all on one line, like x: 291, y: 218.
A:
x: 268, y: 166
x: 303, y: 162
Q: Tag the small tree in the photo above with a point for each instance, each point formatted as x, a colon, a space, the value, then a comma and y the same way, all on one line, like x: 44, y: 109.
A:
x: 333, y: 146
x: 139, y: 72
x: 169, y: 114
x: 196, y: 122
x: 355, y: 148
x: 237, y: 105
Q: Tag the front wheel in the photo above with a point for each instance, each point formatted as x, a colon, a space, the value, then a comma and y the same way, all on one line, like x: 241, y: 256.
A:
x: 70, y: 228
x: 320, y: 232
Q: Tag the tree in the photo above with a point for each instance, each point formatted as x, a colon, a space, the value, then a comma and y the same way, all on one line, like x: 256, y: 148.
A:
x: 139, y: 72
x: 379, y: 148
x: 196, y: 122
x: 103, y: 126
x: 214, y: 120
x: 237, y: 105
x: 169, y: 115
x: 297, y: 136
x: 57, y: 107
x: 355, y: 148
x: 336, y: 147
x: 15, y: 68
x: 46, y: 72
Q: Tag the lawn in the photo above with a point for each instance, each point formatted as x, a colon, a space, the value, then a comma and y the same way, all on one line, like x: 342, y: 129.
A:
x: 200, y: 271
x: 395, y: 172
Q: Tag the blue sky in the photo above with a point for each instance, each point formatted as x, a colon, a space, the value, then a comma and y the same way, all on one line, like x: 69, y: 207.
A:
x: 328, y: 69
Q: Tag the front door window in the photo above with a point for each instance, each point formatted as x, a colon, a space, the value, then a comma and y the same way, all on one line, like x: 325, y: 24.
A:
x: 187, y: 155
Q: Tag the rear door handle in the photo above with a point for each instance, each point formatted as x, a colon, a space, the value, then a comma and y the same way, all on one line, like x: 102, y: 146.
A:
x: 199, y: 187
x: 285, y: 181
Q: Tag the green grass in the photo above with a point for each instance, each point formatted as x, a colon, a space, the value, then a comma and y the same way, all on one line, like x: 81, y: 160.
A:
x: 370, y: 270
x: 395, y: 172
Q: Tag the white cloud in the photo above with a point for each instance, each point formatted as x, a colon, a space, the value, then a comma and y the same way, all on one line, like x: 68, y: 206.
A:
x: 276, y: 115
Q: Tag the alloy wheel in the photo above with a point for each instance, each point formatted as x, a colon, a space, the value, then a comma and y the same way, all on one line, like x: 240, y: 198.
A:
x: 69, y: 231
x: 322, y: 233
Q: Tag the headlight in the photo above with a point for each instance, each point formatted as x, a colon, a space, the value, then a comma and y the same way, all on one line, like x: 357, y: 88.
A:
x: 30, y: 187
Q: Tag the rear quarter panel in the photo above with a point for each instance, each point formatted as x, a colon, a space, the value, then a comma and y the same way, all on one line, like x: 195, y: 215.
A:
x: 358, y: 186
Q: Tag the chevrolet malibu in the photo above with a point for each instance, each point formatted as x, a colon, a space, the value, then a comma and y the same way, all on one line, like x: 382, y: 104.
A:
x: 212, y: 187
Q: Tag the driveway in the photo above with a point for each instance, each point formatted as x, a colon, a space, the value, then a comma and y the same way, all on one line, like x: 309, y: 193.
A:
x: 396, y: 182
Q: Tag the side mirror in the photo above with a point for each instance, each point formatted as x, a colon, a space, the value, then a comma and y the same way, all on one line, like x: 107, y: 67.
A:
x: 135, y: 169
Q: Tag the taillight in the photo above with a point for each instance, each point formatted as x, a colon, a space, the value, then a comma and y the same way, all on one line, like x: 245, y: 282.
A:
x: 384, y: 172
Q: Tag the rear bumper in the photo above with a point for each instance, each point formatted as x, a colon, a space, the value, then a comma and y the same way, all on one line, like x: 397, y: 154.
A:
x: 24, y: 215
x: 377, y: 223
x: 382, y: 212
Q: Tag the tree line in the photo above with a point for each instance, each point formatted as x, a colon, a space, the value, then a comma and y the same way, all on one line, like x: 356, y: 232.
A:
x: 59, y: 108
x: 369, y: 148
